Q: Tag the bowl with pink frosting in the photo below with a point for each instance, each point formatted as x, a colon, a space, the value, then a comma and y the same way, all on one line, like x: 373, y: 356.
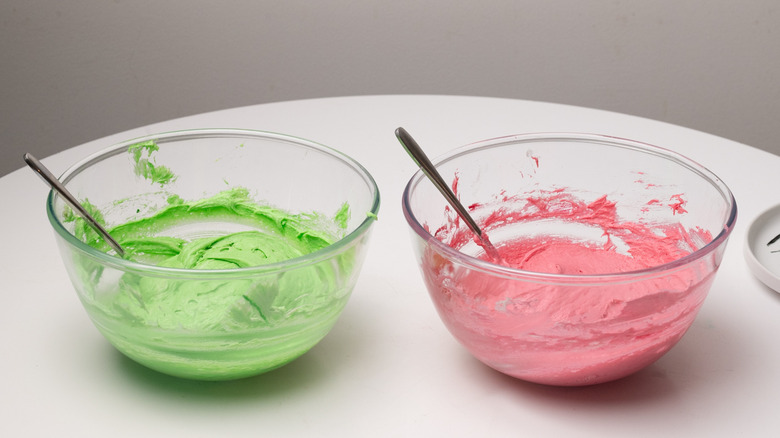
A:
x: 607, y: 249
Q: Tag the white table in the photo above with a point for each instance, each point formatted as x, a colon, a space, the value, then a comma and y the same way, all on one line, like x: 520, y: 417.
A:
x: 389, y: 367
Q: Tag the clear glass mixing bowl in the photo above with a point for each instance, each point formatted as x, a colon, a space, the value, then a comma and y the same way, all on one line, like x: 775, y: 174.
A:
x: 262, y: 317
x: 570, y: 318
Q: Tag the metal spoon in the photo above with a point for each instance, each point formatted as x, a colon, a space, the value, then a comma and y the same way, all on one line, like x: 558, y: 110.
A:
x: 430, y: 171
x: 71, y: 200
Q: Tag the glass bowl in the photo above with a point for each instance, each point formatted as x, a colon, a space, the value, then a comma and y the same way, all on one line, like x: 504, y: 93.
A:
x: 609, y: 248
x: 236, y: 310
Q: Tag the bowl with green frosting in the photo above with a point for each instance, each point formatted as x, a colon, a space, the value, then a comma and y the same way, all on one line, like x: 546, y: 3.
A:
x: 242, y: 247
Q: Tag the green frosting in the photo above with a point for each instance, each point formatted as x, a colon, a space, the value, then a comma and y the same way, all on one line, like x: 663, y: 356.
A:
x: 272, y: 235
x: 226, y: 325
x: 275, y: 234
x: 146, y: 167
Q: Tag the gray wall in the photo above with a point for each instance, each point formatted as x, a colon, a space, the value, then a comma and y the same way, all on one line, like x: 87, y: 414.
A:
x: 74, y: 71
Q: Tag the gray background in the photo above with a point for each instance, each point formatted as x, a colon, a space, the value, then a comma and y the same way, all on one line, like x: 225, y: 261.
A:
x: 74, y: 71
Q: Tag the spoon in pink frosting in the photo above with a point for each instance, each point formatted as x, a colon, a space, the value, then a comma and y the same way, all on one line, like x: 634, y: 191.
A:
x: 430, y: 171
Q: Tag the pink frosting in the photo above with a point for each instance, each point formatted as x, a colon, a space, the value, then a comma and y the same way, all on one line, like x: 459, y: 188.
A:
x: 565, y: 330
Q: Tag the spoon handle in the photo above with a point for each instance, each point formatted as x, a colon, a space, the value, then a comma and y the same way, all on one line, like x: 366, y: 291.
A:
x: 419, y: 157
x: 71, y: 200
x: 424, y: 163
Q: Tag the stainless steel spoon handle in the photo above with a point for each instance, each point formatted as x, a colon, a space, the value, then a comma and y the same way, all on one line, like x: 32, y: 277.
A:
x: 430, y: 171
x: 71, y: 200
x: 424, y: 163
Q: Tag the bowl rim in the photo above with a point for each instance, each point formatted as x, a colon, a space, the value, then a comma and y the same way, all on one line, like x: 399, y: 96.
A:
x: 614, y: 141
x: 329, y: 251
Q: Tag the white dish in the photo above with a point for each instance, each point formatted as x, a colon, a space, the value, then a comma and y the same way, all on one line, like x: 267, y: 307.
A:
x: 763, y: 257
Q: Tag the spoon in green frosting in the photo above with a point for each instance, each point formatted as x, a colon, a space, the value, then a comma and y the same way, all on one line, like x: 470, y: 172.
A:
x: 71, y: 200
x: 424, y: 163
